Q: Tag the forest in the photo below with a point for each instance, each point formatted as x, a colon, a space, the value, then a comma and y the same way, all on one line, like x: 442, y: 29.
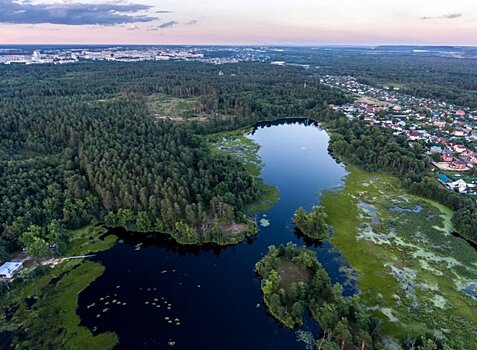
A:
x: 79, y: 145
x: 432, y: 75
x: 452, y: 80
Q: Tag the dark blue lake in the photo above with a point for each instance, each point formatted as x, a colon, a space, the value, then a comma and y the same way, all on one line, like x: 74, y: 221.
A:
x: 166, y: 296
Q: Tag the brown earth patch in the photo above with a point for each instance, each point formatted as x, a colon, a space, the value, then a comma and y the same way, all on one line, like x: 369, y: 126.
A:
x: 233, y: 228
x: 290, y: 272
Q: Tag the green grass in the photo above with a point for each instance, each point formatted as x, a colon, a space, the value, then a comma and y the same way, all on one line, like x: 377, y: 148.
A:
x: 270, y: 197
x: 67, y: 298
x: 394, y: 85
x: 424, y: 232
x: 290, y: 272
x: 245, y: 150
x: 56, y: 324
x: 370, y: 100
x: 52, y: 322
x: 89, y: 240
x: 170, y: 106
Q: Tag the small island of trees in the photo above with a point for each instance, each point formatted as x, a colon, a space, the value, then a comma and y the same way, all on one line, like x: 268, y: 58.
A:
x: 313, y: 224
x: 292, y: 279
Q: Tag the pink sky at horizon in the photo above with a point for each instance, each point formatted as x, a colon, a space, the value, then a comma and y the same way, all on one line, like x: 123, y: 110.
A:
x: 279, y: 22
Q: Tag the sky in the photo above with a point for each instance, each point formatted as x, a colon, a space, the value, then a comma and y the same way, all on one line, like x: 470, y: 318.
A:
x: 239, y: 22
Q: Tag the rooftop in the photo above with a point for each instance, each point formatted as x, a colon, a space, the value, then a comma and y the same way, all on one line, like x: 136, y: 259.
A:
x: 9, y: 268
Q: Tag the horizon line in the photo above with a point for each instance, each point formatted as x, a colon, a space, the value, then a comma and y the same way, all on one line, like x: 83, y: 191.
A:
x: 242, y: 45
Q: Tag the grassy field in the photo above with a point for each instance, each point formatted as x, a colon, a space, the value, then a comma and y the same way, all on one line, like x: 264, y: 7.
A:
x: 396, y: 86
x: 412, y: 273
x: 89, y: 240
x: 41, y: 304
x: 170, y: 106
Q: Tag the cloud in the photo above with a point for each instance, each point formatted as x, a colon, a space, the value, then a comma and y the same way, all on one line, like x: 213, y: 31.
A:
x: 191, y: 23
x: 69, y: 13
x: 447, y: 16
x: 452, y: 15
x: 167, y: 24
x: 161, y: 26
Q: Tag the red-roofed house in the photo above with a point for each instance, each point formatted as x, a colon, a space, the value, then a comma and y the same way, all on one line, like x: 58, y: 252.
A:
x: 458, y: 165
x: 459, y: 148
x: 447, y: 158
x: 414, y: 135
x: 459, y: 132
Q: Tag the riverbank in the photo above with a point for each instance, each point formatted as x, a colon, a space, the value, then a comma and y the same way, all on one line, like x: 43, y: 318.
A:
x: 412, y: 272
x: 293, y: 280
x: 238, y: 145
x: 233, y: 144
x: 219, y: 232
x: 39, y: 306
x: 213, y: 288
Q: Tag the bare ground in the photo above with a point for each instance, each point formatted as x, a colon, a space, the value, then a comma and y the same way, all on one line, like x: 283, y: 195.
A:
x: 289, y: 273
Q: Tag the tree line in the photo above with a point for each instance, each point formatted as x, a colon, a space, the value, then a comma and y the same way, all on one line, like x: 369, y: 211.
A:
x: 449, y: 79
x: 78, y: 145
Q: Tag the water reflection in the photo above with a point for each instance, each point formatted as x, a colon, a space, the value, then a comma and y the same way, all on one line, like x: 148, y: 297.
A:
x: 212, y: 290
x: 164, y: 241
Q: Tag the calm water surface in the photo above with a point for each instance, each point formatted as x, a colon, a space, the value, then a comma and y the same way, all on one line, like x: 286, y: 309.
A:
x: 211, y: 295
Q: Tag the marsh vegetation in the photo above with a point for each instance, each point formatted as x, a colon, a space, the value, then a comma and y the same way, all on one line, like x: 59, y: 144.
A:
x: 412, y: 273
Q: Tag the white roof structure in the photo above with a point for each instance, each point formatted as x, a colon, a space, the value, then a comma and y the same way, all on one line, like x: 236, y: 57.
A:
x: 9, y: 269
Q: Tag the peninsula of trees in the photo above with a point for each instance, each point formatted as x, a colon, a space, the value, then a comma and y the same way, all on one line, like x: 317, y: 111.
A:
x: 293, y: 279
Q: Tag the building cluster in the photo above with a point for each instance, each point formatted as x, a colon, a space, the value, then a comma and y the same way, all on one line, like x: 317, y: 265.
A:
x: 448, y: 133
x: 126, y: 54
x: 37, y: 57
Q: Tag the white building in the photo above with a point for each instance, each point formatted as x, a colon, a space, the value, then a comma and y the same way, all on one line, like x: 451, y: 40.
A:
x: 461, y: 185
x: 36, y: 56
x: 9, y: 269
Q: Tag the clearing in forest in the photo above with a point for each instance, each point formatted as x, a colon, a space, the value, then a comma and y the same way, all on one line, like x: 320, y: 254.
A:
x: 176, y: 108
x: 290, y: 272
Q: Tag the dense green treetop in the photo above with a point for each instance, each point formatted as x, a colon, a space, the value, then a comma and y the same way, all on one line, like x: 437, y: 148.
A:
x: 79, y: 144
x: 313, y: 224
x: 292, y: 279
